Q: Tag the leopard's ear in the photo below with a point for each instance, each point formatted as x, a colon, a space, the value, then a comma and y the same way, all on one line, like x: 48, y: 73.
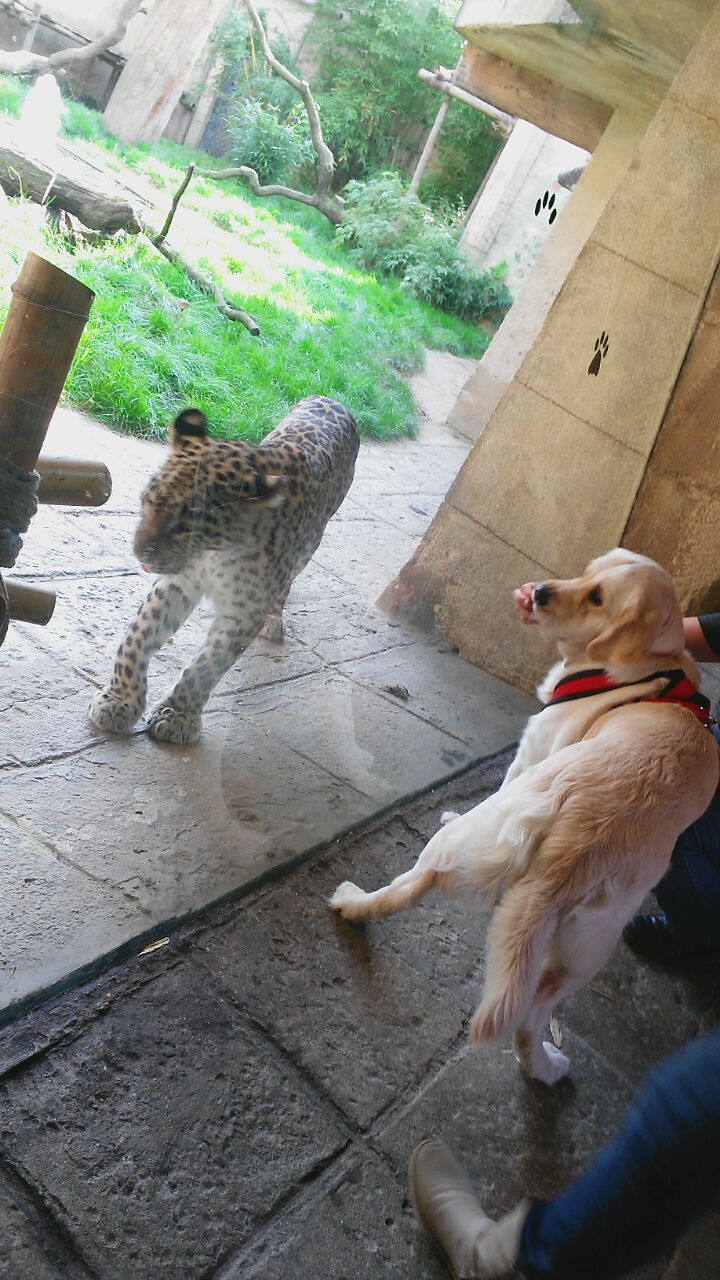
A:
x: 191, y: 424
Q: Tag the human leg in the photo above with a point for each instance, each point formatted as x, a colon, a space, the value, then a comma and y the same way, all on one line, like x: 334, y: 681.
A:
x: 642, y: 1191
x: 632, y: 1204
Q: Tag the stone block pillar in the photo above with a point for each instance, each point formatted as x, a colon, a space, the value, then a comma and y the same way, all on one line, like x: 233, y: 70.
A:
x: 610, y: 161
x: 579, y: 452
x: 510, y: 222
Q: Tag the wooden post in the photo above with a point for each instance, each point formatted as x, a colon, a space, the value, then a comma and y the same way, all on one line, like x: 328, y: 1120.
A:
x: 27, y: 603
x: 427, y: 150
x: 70, y: 482
x: 442, y: 79
x: 48, y: 312
x: 47, y: 315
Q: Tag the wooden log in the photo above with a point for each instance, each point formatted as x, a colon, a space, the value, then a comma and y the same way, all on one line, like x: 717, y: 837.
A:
x: 70, y: 482
x: 48, y: 312
x: 29, y: 604
x: 442, y: 79
x: 64, y: 184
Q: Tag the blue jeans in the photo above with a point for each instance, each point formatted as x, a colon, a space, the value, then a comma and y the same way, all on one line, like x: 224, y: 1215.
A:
x: 689, y: 893
x: 640, y: 1194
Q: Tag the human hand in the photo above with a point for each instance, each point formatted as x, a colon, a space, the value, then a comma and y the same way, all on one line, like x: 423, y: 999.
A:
x: 523, y: 597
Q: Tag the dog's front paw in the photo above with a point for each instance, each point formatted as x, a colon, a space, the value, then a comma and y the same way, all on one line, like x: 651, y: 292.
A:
x: 448, y: 816
x: 112, y: 715
x: 273, y: 628
x: 348, y: 901
x: 167, y: 724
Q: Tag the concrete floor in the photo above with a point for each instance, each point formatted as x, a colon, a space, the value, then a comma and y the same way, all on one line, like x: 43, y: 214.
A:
x: 241, y: 1103
x: 105, y: 842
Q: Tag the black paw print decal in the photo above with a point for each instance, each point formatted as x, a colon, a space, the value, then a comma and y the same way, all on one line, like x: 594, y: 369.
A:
x: 548, y: 204
x: 601, y: 350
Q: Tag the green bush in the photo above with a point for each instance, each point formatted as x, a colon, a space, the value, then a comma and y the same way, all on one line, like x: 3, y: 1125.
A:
x: 80, y: 121
x: 374, y: 109
x: 388, y: 230
x: 12, y: 95
x: 260, y: 138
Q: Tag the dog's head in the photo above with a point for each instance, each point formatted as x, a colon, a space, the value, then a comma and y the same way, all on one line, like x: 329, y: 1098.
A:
x: 620, y: 612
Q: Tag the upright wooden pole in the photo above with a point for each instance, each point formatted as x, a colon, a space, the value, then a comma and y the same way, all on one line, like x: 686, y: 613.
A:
x: 48, y: 312
x: 427, y: 150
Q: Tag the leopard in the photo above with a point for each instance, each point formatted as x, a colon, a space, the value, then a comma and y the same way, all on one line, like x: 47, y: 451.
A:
x: 233, y: 522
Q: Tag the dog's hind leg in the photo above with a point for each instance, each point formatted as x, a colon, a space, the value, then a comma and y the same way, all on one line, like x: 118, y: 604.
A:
x: 352, y: 903
x: 585, y: 939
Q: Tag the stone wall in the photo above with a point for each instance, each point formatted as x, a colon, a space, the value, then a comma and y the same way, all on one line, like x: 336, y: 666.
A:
x: 578, y: 217
x: 60, y: 21
x: 581, y: 451
x: 520, y: 203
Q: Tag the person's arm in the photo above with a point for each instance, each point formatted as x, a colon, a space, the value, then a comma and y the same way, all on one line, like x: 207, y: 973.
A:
x: 702, y: 637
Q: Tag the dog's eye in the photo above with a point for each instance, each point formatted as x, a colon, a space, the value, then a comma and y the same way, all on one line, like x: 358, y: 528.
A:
x: 595, y: 596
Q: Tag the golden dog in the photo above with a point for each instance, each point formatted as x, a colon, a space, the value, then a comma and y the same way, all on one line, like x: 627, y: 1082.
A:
x: 607, y: 775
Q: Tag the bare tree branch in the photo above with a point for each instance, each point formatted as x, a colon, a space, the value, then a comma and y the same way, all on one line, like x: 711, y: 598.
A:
x: 23, y: 63
x: 330, y: 205
x: 208, y: 286
x: 203, y: 282
x: 322, y: 198
x: 175, y: 202
x: 326, y: 159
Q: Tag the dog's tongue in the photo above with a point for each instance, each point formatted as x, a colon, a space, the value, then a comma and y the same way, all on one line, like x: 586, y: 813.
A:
x: 145, y: 568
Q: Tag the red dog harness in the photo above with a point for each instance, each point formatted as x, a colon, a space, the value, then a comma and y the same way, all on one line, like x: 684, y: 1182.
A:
x: 680, y: 690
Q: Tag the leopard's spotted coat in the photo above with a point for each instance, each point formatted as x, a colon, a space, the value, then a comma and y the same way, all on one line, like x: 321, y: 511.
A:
x: 234, y: 522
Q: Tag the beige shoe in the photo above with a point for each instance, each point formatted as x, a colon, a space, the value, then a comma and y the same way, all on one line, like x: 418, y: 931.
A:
x: 473, y: 1246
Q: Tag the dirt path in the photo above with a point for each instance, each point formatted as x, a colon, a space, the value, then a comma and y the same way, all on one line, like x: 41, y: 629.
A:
x: 435, y: 389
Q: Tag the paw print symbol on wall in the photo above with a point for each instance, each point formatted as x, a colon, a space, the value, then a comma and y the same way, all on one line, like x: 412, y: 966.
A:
x: 546, y: 205
x: 601, y: 350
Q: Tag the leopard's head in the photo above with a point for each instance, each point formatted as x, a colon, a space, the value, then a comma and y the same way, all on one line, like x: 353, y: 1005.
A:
x: 201, y: 497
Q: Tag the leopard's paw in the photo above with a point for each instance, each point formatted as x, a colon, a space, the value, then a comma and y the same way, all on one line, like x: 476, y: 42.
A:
x: 111, y: 714
x: 167, y: 724
x: 273, y: 628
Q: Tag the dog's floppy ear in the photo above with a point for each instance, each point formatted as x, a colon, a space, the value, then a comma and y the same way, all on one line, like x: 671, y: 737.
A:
x: 627, y: 639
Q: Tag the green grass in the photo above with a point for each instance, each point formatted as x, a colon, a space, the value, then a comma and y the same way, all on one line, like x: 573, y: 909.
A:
x: 326, y: 327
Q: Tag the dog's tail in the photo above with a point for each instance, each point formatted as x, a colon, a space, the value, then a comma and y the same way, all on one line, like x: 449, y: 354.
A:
x: 517, y: 939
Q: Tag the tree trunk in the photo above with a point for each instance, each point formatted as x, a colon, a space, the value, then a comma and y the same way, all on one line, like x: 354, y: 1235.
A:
x: 75, y: 189
x: 157, y: 70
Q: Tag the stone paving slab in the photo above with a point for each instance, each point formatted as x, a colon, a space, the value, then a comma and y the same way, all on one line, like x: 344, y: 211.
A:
x: 167, y: 830
x: 240, y: 1104
x: 375, y: 1010
x: 28, y: 1249
x: 300, y: 742
x: 358, y: 735
x: 361, y: 1228
x: 67, y: 915
x: 440, y: 688
x: 514, y: 1136
x: 45, y: 703
x: 166, y: 1132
